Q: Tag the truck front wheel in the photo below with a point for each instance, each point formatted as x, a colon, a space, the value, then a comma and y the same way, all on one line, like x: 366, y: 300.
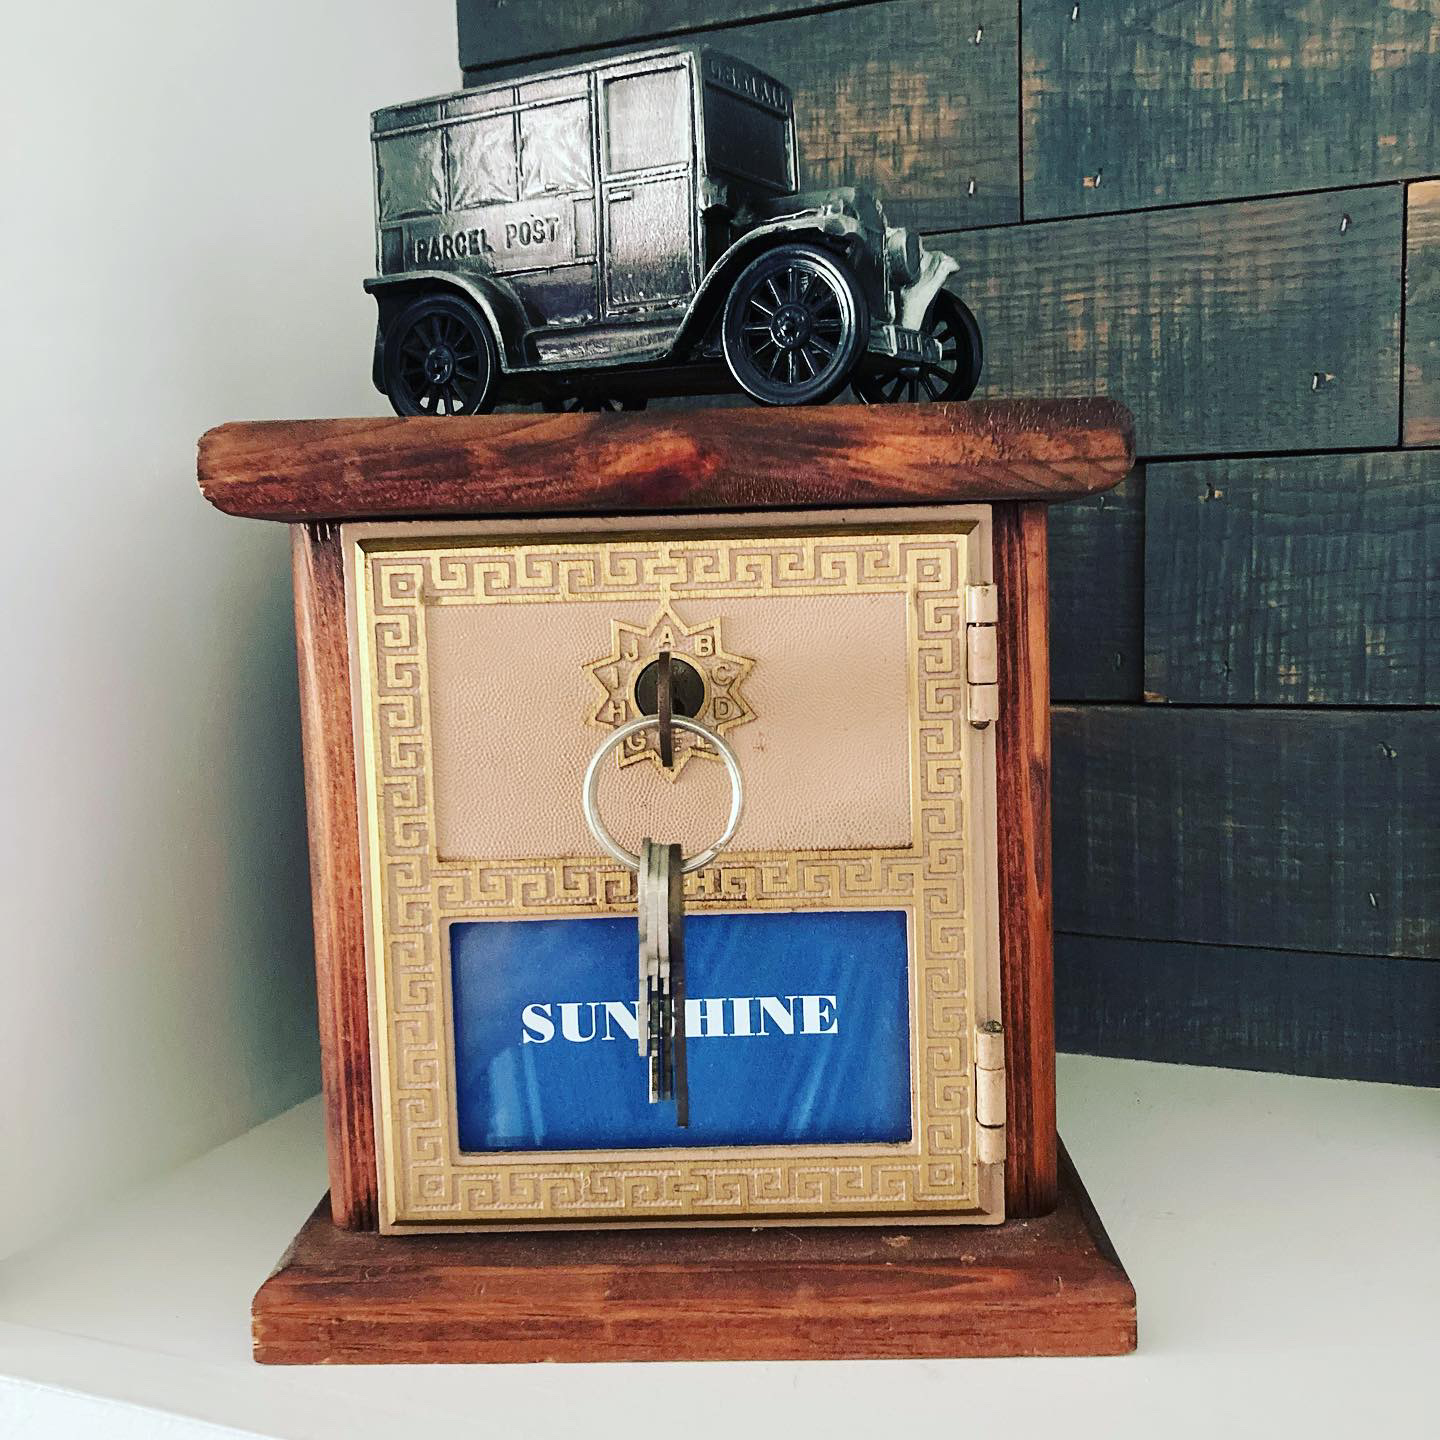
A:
x: 440, y: 358
x: 953, y: 377
x: 795, y: 325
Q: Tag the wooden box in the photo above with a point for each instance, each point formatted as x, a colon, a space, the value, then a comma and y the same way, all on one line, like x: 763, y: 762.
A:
x: 487, y: 541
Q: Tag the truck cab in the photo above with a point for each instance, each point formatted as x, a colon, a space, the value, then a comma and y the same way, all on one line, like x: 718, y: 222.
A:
x: 575, y: 238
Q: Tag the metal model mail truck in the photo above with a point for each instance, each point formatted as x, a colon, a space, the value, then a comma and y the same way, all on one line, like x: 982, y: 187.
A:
x: 613, y: 231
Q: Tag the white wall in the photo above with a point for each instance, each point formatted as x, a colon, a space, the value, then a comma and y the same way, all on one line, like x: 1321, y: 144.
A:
x: 184, y: 225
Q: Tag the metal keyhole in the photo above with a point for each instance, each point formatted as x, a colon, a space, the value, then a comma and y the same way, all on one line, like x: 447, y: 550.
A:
x: 687, y: 687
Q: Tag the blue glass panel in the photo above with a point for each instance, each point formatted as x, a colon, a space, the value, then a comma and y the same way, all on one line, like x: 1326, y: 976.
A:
x: 799, y: 1031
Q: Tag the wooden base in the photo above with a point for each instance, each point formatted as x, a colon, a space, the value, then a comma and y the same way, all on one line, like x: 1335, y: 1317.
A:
x: 1049, y: 1286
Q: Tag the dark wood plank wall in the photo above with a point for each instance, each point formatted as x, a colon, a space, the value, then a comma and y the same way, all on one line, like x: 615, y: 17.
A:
x: 1422, y: 314
x: 1227, y: 215
x: 1130, y: 103
x: 1308, y: 580
x: 1250, y: 325
x: 1102, y: 658
x: 956, y: 160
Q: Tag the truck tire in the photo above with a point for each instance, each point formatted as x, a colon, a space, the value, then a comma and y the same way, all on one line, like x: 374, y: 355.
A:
x: 795, y: 326
x: 956, y: 375
x: 440, y: 358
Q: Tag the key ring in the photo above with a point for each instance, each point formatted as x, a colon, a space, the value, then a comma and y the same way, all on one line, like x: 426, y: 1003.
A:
x: 608, y: 843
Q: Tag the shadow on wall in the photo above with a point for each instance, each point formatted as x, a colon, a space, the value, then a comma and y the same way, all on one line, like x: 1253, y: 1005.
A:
x: 266, y: 892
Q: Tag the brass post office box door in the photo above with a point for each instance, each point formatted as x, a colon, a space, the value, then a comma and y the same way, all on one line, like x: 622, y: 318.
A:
x: 842, y: 949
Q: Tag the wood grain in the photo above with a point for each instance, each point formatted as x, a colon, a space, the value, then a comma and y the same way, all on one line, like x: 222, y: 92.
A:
x: 895, y: 97
x: 691, y: 460
x: 1422, y: 314
x: 1156, y: 103
x: 330, y: 798
x: 493, y: 31
x: 1306, y: 581
x: 1022, y: 768
x: 1283, y: 828
x: 1049, y: 1286
x: 1267, y: 325
x: 1349, y: 1017
x: 1097, y: 579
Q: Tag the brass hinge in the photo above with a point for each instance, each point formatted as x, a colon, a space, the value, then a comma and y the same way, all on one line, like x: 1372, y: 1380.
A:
x: 981, y: 675
x: 990, y: 1093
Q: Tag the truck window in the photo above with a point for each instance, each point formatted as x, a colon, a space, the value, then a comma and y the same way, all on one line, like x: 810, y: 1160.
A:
x: 555, y: 149
x: 748, y: 141
x: 648, y: 120
x: 409, y: 175
x: 482, y: 162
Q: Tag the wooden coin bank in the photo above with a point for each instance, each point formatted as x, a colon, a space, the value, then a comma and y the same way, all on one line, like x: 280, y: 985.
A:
x: 846, y: 605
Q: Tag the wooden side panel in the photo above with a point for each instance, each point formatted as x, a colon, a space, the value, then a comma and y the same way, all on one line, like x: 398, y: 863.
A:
x: 1150, y: 102
x: 331, y: 806
x: 1307, y: 581
x: 1022, y: 761
x: 1292, y: 829
x: 1351, y: 1017
x: 1422, y: 314
x: 1268, y: 325
x: 896, y: 97
x: 494, y: 31
x: 1097, y: 578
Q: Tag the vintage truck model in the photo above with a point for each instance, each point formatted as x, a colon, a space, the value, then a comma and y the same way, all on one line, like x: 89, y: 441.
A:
x: 602, y: 234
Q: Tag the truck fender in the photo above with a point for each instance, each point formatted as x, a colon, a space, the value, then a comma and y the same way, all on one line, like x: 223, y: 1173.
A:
x: 492, y: 300
x: 935, y: 268
x: 710, y: 296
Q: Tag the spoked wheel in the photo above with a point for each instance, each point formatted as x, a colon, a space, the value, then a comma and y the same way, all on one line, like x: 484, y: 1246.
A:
x: 591, y: 404
x: 440, y: 359
x: 795, y: 326
x: 953, y: 377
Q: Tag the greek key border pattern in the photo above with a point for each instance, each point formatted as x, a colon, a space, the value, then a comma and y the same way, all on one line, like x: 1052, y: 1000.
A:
x: 414, y: 893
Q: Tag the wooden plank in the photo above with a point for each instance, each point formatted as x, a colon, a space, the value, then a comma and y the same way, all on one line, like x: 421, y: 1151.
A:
x: 1351, y: 1017
x: 895, y: 97
x: 1290, y: 829
x: 1097, y: 565
x: 339, y: 914
x: 1049, y: 1286
x: 1422, y: 315
x: 1022, y: 773
x: 1267, y: 325
x: 1151, y: 103
x: 684, y: 460
x: 1298, y: 581
x: 495, y: 31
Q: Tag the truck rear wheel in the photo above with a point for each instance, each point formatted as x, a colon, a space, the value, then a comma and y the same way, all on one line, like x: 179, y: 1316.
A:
x: 953, y: 377
x: 795, y: 325
x: 440, y: 358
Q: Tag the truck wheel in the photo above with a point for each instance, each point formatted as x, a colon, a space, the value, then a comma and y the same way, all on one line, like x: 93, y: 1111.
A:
x: 440, y: 358
x: 795, y: 325
x: 953, y: 377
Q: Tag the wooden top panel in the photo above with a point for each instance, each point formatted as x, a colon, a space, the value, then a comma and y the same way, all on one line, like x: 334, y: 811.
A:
x: 717, y: 459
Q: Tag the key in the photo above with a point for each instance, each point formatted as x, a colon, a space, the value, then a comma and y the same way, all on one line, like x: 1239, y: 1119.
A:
x: 675, y: 928
x: 651, y: 1008
x: 660, y: 902
x: 649, y: 956
x: 660, y: 1001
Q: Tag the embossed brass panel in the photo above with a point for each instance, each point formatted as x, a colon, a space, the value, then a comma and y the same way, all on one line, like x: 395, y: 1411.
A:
x: 939, y: 868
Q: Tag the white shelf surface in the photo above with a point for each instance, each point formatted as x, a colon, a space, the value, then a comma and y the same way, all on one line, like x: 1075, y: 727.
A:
x: 1283, y: 1235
